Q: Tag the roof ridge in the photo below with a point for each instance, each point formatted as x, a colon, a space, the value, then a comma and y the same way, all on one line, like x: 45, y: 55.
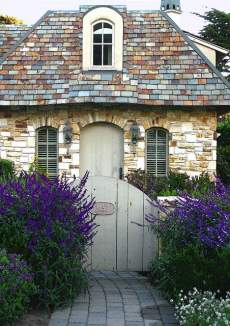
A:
x: 24, y: 36
x: 196, y: 49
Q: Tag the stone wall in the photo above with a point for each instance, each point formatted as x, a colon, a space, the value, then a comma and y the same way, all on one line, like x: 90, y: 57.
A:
x: 192, y: 147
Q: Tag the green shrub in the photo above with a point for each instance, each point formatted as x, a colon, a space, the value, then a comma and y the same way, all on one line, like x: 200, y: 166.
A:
x: 195, y: 237
x: 49, y: 223
x: 149, y: 184
x: 6, y: 169
x: 16, y: 288
x: 190, y: 267
x: 171, y: 185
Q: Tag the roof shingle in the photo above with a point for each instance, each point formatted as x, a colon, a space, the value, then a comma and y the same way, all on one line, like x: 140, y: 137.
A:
x: 10, y: 35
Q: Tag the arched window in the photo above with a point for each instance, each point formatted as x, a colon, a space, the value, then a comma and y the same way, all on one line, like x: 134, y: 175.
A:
x: 157, y: 152
x: 102, y: 44
x: 102, y: 39
x: 47, y: 151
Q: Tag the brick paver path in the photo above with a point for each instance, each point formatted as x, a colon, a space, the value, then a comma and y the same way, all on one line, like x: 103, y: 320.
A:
x: 117, y: 299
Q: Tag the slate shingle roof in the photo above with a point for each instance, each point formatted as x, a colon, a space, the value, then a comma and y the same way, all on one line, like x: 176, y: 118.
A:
x: 10, y: 35
x: 160, y: 66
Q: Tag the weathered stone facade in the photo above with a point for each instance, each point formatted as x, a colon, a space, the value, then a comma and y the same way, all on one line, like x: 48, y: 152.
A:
x: 192, y: 147
x: 164, y: 81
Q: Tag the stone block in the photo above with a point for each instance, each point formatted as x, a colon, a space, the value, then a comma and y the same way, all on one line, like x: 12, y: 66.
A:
x: 21, y: 144
x: 191, y: 156
x: 191, y: 138
x: 3, y: 154
x: 3, y: 123
x: 5, y: 134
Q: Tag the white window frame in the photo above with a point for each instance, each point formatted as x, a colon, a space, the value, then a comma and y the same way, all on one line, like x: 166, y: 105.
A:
x: 107, y: 14
x: 92, y: 46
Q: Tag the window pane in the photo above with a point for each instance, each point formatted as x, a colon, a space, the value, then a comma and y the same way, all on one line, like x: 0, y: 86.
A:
x: 97, y: 38
x: 107, y: 38
x: 106, y: 25
x: 107, y: 55
x: 97, y: 27
x: 97, y: 55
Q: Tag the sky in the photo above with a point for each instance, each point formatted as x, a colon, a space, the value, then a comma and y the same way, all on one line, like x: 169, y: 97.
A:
x: 31, y: 10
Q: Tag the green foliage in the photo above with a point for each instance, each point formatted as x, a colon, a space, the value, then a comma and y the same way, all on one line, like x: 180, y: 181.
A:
x: 171, y: 185
x: 16, y: 288
x: 149, y: 184
x: 6, y: 169
x: 195, y: 241
x: 8, y: 20
x: 207, y: 272
x: 35, y: 168
x: 217, y: 29
x: 223, y: 151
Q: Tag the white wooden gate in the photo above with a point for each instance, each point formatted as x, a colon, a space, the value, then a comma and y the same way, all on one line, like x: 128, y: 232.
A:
x: 123, y: 242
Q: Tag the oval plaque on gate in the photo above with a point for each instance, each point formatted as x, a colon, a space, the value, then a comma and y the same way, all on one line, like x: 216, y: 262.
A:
x: 103, y: 208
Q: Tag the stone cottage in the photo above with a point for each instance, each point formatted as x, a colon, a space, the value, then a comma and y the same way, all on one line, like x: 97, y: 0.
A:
x: 110, y: 90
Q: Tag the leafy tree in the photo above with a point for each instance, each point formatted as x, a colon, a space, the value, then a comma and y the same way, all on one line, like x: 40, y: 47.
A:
x: 8, y: 20
x: 224, y: 66
x: 217, y: 31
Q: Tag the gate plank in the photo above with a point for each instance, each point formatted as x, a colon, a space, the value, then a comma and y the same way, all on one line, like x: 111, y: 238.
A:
x: 122, y: 226
x: 104, y: 249
x: 135, y: 229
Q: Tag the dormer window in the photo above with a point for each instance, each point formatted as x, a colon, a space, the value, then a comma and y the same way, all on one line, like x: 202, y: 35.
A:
x: 102, y: 39
x: 102, y: 44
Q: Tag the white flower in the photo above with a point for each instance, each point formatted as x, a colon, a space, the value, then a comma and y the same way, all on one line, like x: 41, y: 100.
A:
x: 203, y: 306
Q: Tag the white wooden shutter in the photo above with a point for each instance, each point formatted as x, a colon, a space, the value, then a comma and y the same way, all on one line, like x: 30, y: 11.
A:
x: 157, y: 152
x: 47, y: 151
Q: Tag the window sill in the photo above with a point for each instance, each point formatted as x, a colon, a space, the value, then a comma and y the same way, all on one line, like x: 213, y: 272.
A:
x: 101, y: 70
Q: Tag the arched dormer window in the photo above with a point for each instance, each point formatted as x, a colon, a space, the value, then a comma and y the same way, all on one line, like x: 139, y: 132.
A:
x: 157, y: 143
x: 102, y: 39
x: 102, y: 44
x: 47, y: 151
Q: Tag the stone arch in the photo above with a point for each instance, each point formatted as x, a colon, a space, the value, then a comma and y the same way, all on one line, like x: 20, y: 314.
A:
x: 45, y: 121
x: 87, y: 118
x: 156, y: 120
